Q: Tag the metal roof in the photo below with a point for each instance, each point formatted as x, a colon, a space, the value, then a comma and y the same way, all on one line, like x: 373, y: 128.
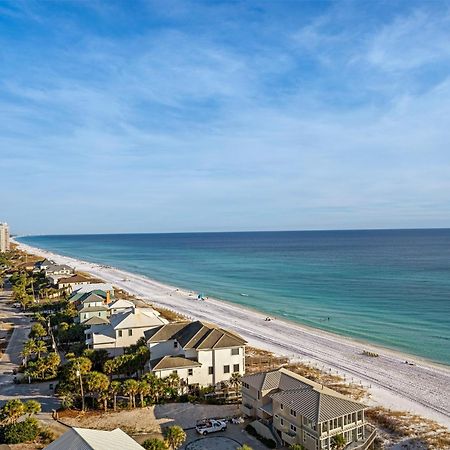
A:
x: 87, y: 439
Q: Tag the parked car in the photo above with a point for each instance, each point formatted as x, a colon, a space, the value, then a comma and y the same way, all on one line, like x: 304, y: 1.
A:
x: 211, y: 426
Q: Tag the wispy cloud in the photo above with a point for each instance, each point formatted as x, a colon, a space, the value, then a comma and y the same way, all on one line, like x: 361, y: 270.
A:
x: 279, y: 118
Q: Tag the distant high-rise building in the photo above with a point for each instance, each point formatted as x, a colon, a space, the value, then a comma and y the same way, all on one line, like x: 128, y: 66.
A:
x: 4, y: 237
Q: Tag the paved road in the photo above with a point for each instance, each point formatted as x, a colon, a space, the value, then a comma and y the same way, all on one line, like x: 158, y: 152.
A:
x: 11, y: 360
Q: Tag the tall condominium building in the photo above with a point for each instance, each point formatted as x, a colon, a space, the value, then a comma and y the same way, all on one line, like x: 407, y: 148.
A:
x: 4, y: 237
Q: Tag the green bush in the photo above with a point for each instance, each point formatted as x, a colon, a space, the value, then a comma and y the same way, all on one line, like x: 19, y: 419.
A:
x: 154, y: 444
x: 25, y: 431
x: 46, y: 435
x: 270, y: 443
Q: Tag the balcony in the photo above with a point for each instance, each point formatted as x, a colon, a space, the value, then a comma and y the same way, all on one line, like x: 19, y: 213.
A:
x: 289, y: 438
x: 248, y: 410
x: 364, y: 444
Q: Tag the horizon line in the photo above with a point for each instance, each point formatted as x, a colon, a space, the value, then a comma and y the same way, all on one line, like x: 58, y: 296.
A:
x: 231, y: 232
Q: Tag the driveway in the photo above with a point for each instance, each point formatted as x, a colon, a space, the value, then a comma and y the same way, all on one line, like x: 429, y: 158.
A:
x: 231, y: 439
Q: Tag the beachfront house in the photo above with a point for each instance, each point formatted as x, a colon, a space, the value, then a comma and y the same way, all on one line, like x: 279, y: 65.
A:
x: 83, y: 288
x: 200, y: 353
x: 43, y: 265
x: 300, y: 411
x: 123, y: 329
x: 73, y: 280
x: 120, y: 305
x: 78, y: 298
x: 62, y: 270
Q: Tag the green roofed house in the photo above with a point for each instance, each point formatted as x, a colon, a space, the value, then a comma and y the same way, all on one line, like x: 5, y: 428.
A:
x: 301, y: 411
x: 200, y: 353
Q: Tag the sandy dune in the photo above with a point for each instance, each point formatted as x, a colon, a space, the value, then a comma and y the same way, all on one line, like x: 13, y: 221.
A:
x: 423, y: 388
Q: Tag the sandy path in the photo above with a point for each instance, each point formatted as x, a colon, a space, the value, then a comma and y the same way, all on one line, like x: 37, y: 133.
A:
x: 423, y: 388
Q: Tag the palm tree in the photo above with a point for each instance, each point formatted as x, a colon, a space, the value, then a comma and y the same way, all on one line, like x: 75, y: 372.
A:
x: 171, y: 385
x: 130, y: 387
x: 235, y: 380
x: 153, y: 383
x: 143, y: 390
x: 96, y: 384
x: 114, y: 388
x: 40, y: 348
x: 175, y: 436
x: 29, y: 347
x: 338, y: 442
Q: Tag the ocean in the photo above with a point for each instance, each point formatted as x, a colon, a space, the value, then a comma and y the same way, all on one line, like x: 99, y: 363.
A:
x: 386, y: 287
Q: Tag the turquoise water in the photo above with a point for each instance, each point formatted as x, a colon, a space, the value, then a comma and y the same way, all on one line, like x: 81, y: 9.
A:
x: 389, y: 287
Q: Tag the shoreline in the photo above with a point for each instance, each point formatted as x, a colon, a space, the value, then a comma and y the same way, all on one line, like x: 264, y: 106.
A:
x: 421, y: 388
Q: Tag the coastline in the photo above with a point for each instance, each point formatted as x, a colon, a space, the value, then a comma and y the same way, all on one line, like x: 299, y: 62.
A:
x: 421, y: 388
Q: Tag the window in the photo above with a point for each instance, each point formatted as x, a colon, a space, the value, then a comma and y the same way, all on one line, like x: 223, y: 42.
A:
x: 175, y: 344
x: 246, y: 385
x: 120, y: 333
x: 99, y: 314
x: 281, y: 422
x: 190, y: 372
x: 210, y: 370
x: 281, y: 406
x: 226, y: 369
x: 293, y: 428
x: 130, y: 332
x: 236, y: 368
x: 234, y: 351
x: 293, y: 413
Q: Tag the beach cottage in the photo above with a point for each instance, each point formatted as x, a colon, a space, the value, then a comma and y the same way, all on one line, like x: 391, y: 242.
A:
x: 300, y: 411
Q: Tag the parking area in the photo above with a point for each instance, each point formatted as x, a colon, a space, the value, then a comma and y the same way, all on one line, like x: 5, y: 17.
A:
x: 231, y: 439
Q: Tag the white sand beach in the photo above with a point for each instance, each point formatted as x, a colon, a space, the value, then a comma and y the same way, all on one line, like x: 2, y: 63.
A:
x: 422, y: 388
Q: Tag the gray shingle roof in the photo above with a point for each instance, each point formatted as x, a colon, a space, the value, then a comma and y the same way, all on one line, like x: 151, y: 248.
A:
x: 95, y: 320
x: 197, y: 335
x: 172, y: 362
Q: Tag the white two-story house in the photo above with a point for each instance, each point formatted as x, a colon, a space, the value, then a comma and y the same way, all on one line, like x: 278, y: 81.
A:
x: 199, y: 353
x: 123, y: 329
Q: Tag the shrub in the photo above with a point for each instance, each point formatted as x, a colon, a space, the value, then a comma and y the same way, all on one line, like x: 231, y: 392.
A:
x: 46, y: 435
x: 25, y: 431
x: 154, y: 444
x: 270, y: 443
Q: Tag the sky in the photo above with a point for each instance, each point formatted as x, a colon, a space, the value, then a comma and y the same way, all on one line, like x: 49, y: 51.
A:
x: 166, y: 116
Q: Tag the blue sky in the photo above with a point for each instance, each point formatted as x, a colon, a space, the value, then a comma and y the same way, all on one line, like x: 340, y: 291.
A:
x: 142, y: 116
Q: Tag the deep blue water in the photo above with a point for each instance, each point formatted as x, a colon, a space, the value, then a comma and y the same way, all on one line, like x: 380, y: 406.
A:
x: 389, y: 287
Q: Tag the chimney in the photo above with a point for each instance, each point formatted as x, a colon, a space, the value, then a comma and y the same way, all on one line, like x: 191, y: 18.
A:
x: 108, y: 297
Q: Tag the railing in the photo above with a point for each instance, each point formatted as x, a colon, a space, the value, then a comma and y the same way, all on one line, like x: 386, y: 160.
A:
x: 289, y: 438
x: 247, y: 410
x: 368, y: 441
